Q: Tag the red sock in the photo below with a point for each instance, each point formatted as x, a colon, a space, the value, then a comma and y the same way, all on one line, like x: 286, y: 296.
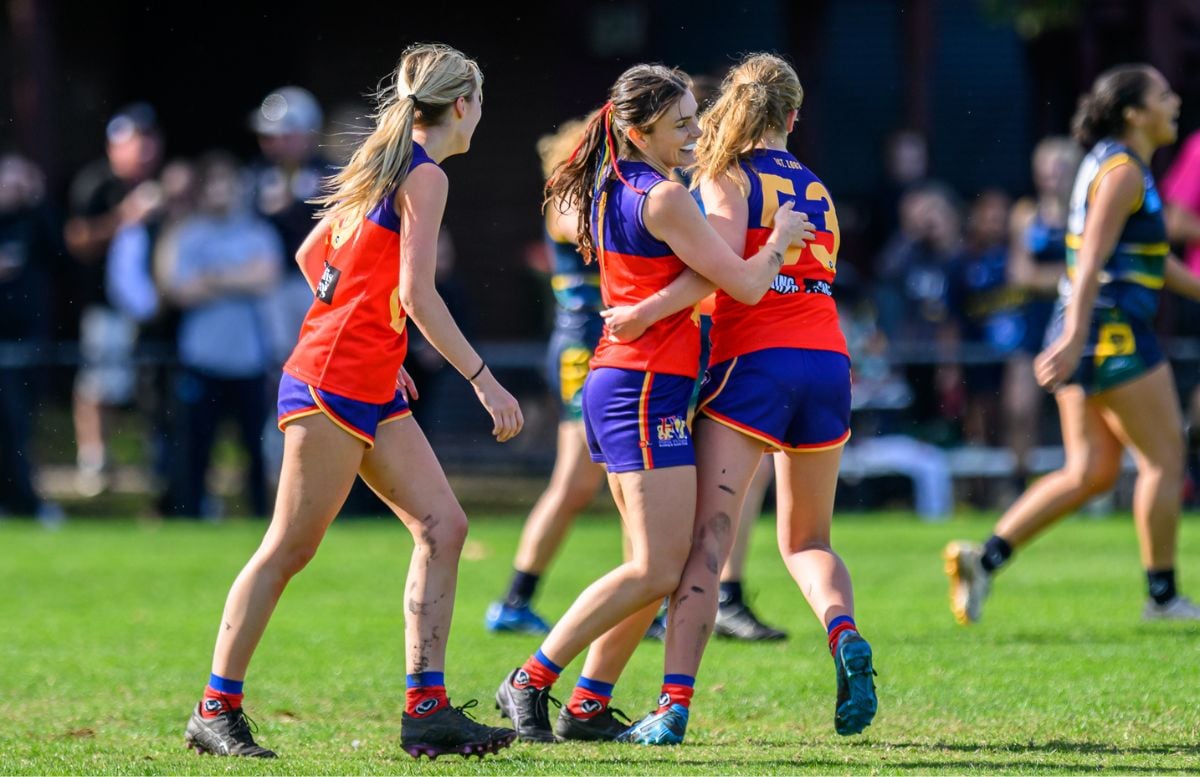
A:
x: 586, y: 703
x: 425, y: 700
x: 835, y: 633
x: 215, y: 702
x: 673, y: 693
x: 534, y: 674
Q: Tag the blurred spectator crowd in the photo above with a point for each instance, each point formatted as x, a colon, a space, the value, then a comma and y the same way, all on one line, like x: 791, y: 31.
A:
x: 178, y: 274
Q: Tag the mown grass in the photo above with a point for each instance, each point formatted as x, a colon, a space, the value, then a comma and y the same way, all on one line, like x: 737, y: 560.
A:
x: 106, y: 631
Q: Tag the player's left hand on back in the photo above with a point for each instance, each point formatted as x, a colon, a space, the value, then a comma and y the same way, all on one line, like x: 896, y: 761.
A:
x: 623, y: 323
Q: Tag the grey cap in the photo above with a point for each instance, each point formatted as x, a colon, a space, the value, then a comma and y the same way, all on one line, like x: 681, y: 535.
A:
x: 135, y: 117
x: 287, y: 110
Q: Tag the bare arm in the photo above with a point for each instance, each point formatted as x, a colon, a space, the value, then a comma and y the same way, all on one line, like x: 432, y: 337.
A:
x: 672, y: 216
x: 1179, y: 279
x: 727, y: 214
x: 1115, y: 196
x: 255, y: 277
x: 628, y: 322
x: 318, y: 237
x: 1183, y: 226
x: 561, y: 224
x: 420, y: 203
x: 1023, y: 271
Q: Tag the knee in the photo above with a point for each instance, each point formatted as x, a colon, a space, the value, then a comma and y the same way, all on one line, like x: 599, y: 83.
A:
x: 790, y: 546
x: 443, y: 535
x: 1095, y: 477
x: 288, y: 560
x: 660, y: 576
x: 1167, y: 468
x: 660, y: 581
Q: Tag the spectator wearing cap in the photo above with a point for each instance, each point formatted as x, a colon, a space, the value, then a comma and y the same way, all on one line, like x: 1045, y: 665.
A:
x: 285, y: 178
x: 106, y: 194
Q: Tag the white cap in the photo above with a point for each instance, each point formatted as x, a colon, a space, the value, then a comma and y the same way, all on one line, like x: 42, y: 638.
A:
x: 285, y: 111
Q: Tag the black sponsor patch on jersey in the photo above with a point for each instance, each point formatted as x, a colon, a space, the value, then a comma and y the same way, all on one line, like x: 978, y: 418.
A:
x: 817, y: 286
x: 328, y: 283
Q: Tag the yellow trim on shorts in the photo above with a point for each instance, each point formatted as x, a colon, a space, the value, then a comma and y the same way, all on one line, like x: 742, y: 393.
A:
x: 775, y: 444
x: 332, y: 416
x: 287, y: 418
x: 396, y: 417
x: 644, y: 421
x: 720, y: 388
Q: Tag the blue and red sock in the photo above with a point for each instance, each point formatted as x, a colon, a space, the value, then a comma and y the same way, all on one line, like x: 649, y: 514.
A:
x: 836, y: 628
x: 221, y: 695
x: 537, y: 672
x: 590, y: 698
x: 425, y: 693
x: 676, y: 689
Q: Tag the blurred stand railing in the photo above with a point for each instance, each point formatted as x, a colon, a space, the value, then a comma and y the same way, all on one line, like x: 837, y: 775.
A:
x: 458, y: 426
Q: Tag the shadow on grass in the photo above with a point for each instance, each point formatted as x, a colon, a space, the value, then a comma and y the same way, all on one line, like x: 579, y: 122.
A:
x: 710, y: 765
x: 1050, y: 746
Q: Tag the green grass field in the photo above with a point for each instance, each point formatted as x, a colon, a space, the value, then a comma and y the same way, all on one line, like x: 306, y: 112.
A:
x: 106, y: 631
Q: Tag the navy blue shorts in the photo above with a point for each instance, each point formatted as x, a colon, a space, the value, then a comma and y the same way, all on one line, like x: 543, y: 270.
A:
x: 793, y: 399
x: 1120, y: 348
x: 637, y: 420
x: 297, y: 399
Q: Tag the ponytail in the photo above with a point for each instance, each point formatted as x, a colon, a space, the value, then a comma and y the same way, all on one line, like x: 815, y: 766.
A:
x: 754, y: 100
x: 428, y: 80
x: 378, y: 165
x: 1101, y: 112
x: 574, y: 183
x: 641, y: 95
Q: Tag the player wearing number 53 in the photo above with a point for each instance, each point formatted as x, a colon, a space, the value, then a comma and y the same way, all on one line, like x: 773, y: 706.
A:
x: 780, y: 380
x: 343, y: 404
x: 646, y: 231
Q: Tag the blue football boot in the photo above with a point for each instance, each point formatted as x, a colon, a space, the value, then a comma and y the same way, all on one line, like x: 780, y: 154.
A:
x: 666, y: 726
x: 516, y: 620
x: 856, y: 702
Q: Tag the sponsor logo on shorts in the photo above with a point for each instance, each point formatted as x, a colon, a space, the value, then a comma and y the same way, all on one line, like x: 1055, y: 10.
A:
x: 672, y: 432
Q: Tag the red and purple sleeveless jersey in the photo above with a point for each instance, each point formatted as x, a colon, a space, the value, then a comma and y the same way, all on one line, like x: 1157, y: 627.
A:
x: 633, y: 265
x: 353, y: 340
x: 798, y: 310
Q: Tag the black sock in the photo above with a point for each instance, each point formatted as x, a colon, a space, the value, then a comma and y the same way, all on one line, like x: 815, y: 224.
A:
x: 1161, y: 585
x: 995, y: 552
x: 521, y: 589
x: 731, y: 593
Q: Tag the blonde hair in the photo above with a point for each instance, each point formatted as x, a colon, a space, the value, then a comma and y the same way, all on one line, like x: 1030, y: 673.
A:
x: 640, y: 96
x: 755, y: 99
x: 556, y: 148
x: 428, y: 80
